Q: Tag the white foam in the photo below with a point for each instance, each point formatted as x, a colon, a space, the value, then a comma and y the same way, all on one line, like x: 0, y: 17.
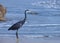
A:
x: 43, y: 25
x: 29, y: 25
x: 46, y: 4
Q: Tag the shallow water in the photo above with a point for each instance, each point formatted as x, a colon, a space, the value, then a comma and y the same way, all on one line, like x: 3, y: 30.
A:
x: 45, y: 23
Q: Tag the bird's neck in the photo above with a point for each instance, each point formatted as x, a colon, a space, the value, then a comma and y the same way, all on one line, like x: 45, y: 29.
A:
x: 25, y: 15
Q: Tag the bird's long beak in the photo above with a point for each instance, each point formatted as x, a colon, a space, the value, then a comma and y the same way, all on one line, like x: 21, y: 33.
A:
x: 32, y: 12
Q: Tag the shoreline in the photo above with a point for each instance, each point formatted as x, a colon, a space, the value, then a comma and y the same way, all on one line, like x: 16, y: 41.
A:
x: 24, y: 39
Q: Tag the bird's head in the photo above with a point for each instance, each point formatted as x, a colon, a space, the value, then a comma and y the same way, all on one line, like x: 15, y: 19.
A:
x: 31, y: 12
x: 27, y: 10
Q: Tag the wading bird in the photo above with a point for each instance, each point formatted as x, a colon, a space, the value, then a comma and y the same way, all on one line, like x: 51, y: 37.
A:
x: 19, y: 24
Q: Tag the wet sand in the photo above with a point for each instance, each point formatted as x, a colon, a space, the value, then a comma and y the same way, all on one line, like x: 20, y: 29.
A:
x: 24, y: 39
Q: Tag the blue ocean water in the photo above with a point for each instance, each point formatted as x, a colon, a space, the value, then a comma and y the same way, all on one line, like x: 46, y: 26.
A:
x: 45, y: 23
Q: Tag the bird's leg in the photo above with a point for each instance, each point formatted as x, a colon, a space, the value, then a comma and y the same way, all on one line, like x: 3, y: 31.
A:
x: 17, y: 34
x: 17, y: 40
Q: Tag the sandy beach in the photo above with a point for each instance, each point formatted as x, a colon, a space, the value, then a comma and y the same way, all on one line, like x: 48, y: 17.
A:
x: 24, y: 39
